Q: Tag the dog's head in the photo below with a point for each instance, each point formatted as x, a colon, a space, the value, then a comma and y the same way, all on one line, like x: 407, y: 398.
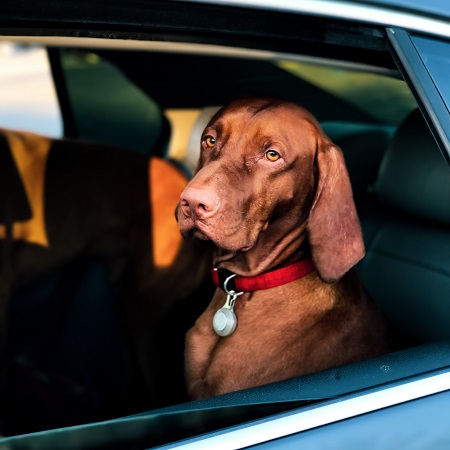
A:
x: 267, y: 171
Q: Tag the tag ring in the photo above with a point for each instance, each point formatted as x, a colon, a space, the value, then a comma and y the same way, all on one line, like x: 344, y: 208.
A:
x: 225, y: 287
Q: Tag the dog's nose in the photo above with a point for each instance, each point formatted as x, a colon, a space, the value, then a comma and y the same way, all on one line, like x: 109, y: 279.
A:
x: 199, y: 202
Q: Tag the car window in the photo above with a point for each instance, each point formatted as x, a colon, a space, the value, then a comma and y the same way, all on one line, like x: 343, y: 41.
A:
x: 386, y: 99
x: 119, y: 98
x: 435, y: 55
x: 27, y: 94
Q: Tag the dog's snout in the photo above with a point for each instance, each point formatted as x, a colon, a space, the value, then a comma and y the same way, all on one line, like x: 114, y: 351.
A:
x: 199, y: 202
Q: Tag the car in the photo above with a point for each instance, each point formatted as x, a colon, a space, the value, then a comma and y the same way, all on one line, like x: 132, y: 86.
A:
x: 93, y: 352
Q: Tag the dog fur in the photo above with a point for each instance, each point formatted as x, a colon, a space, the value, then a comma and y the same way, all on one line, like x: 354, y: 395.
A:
x: 264, y: 214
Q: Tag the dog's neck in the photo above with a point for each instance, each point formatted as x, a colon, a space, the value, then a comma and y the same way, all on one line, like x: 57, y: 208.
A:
x: 272, y: 250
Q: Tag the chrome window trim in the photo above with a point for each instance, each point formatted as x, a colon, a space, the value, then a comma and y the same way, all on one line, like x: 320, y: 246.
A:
x: 346, y: 10
x: 283, y: 425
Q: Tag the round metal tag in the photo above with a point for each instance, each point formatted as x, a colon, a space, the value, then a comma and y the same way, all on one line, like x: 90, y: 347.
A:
x: 224, y: 322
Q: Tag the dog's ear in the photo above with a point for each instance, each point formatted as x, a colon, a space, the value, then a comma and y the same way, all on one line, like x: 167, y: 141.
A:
x: 334, y: 230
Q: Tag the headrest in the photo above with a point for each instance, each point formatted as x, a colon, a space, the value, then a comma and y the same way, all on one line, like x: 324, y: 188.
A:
x: 187, y: 126
x: 414, y: 177
x: 128, y: 119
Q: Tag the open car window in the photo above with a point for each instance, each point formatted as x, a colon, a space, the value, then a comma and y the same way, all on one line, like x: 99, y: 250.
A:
x: 103, y: 297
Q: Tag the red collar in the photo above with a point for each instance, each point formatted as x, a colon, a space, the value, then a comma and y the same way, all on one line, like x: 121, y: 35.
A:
x: 266, y: 280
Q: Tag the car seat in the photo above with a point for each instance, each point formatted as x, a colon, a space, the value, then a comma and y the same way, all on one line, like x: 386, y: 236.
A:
x: 64, y: 336
x: 108, y: 108
x: 405, y: 222
x: 363, y: 146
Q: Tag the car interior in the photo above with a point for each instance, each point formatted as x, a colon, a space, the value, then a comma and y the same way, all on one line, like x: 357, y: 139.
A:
x: 65, y: 336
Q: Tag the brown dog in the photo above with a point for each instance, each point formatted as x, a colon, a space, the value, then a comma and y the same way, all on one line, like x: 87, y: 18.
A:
x: 272, y: 191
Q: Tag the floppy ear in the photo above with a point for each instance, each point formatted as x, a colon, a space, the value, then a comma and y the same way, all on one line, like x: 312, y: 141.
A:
x: 334, y: 230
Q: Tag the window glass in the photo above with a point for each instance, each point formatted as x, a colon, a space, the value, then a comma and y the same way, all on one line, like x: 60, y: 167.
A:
x: 435, y: 55
x: 27, y: 95
x: 386, y: 99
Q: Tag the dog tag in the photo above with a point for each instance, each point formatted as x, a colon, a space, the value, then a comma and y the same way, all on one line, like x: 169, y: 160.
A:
x: 225, y: 320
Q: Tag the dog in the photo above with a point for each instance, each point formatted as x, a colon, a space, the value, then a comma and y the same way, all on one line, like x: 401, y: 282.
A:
x: 272, y: 193
x: 64, y: 202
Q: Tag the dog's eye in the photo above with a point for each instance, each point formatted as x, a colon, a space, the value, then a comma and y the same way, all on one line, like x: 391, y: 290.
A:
x: 272, y: 155
x: 210, y: 141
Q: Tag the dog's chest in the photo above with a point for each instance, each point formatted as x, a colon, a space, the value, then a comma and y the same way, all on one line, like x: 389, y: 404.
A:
x: 267, y: 330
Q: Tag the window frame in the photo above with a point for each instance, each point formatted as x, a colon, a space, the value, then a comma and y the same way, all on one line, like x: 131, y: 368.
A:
x: 421, y: 84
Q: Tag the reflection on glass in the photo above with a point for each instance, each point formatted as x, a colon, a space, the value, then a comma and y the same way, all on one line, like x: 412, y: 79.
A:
x: 435, y: 55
